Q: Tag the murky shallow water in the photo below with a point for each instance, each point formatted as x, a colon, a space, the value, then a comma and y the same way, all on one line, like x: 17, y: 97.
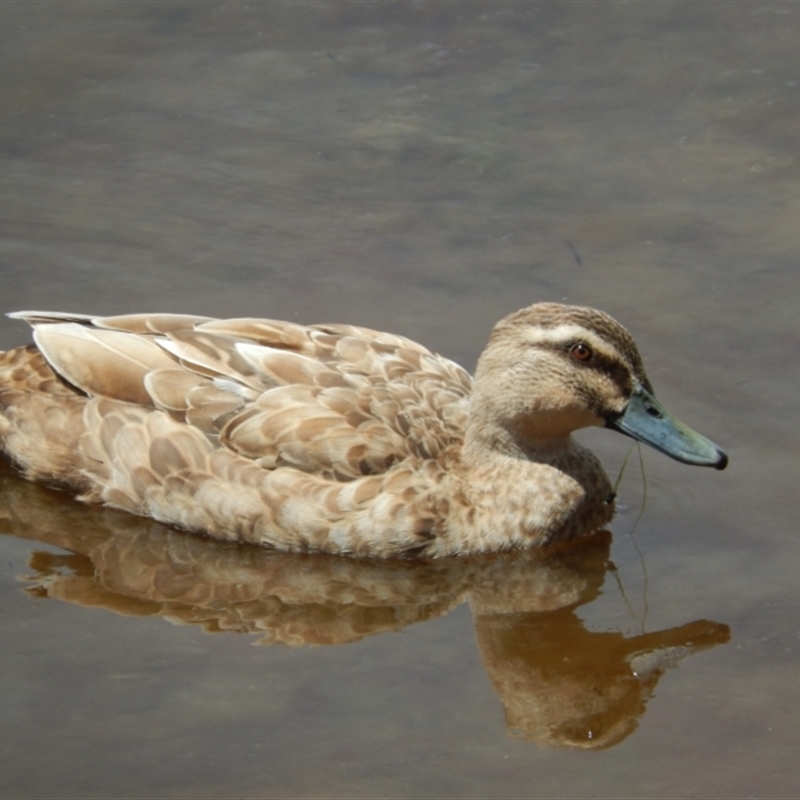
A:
x: 424, y: 168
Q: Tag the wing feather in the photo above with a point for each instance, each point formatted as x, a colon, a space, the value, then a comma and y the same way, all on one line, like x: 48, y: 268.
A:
x: 285, y: 367
x: 338, y: 401
x: 34, y: 318
x: 212, y: 356
x: 100, y: 362
x: 150, y: 323
x: 272, y: 333
x: 169, y: 387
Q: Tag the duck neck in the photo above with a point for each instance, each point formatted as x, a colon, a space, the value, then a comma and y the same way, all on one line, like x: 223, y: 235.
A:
x: 550, y: 488
x: 540, y: 443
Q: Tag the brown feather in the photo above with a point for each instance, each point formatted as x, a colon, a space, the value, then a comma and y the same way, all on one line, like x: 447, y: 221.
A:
x: 327, y: 437
x: 100, y: 362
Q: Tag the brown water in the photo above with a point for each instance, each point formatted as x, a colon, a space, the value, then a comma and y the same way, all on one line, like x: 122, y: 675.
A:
x: 423, y: 168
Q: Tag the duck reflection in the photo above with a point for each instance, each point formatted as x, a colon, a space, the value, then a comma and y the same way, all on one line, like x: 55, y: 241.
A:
x: 560, y: 684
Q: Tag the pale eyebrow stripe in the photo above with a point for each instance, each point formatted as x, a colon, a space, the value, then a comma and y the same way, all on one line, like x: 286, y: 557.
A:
x: 560, y: 334
x: 566, y: 333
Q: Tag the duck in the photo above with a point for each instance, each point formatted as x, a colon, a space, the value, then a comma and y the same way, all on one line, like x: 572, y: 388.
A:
x: 335, y: 438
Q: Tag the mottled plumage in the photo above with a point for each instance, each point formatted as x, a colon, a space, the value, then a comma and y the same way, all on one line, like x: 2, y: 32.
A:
x: 329, y: 437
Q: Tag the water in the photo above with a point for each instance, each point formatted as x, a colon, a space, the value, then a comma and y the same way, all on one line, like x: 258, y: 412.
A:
x: 423, y: 168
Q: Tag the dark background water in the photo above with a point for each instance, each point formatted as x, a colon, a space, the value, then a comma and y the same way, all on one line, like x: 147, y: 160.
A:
x: 423, y: 168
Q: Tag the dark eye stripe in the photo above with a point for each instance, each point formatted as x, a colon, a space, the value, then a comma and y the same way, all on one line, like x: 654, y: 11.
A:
x: 614, y: 368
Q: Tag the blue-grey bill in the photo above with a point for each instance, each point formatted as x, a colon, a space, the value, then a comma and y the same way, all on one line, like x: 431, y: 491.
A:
x: 648, y: 421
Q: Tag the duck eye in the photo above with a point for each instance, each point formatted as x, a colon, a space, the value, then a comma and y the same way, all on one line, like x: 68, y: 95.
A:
x: 581, y: 352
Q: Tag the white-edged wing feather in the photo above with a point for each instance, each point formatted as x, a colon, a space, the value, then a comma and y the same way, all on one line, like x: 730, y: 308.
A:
x: 336, y: 401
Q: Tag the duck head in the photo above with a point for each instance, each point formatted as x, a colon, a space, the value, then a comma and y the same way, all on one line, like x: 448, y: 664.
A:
x: 551, y: 369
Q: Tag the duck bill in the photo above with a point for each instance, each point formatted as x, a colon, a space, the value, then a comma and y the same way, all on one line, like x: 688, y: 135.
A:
x: 646, y: 420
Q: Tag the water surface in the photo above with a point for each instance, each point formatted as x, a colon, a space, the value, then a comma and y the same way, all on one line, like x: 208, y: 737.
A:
x: 423, y: 168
